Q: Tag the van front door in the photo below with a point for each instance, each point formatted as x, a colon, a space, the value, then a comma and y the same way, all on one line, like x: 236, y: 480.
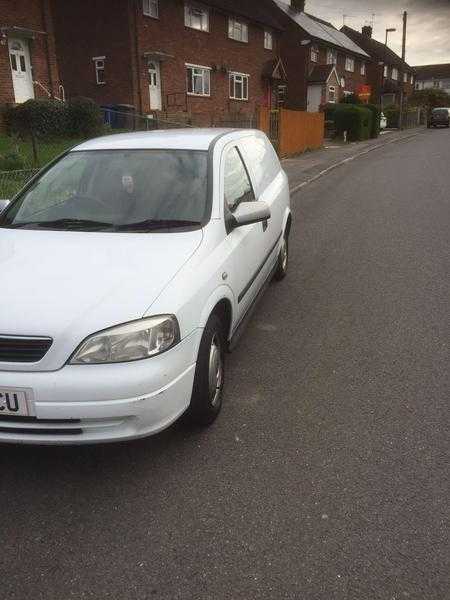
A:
x: 19, y: 57
x: 154, y: 75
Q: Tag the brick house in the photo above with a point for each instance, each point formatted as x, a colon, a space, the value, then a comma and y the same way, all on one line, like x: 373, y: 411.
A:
x: 322, y: 63
x: 388, y: 73
x: 28, y: 65
x: 435, y: 77
x: 213, y: 61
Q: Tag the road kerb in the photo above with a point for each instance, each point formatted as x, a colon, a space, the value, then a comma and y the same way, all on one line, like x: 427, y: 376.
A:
x: 334, y: 166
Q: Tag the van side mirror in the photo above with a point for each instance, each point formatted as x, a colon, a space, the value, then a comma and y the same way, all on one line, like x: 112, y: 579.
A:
x: 3, y: 205
x: 248, y: 213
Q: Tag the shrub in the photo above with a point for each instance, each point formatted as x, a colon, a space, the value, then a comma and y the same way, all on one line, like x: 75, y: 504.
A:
x: 356, y: 120
x: 376, y: 114
x: 392, y: 114
x: 350, y: 99
x: 12, y: 161
x: 46, y: 118
x: 84, y: 117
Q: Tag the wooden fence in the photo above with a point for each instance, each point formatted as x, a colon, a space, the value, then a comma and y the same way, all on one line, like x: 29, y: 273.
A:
x: 297, y: 130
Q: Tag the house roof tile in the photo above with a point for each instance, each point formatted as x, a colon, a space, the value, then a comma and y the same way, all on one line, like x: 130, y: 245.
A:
x: 321, y: 30
x: 433, y: 71
x: 377, y: 50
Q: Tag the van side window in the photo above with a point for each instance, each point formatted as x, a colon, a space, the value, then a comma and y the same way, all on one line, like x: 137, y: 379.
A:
x: 237, y: 185
x: 262, y: 161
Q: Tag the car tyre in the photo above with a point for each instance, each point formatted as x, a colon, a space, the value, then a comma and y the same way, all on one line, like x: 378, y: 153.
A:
x: 283, y: 259
x: 206, y: 401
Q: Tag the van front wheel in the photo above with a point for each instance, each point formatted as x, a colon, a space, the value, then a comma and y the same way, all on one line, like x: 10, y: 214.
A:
x: 206, y: 401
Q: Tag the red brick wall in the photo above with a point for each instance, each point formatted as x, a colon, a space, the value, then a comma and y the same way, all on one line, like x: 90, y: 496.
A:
x: 88, y: 29
x: 120, y: 31
x: 210, y: 49
x: 296, y: 59
x: 36, y: 15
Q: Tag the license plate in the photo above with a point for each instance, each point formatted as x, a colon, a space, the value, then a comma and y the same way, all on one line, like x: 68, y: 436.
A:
x: 13, y: 403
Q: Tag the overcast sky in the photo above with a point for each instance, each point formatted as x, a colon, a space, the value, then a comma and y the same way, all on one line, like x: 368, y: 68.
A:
x: 428, y: 25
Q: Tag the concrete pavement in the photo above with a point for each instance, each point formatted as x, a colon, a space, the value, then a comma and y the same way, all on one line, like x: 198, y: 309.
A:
x: 310, y: 166
x: 326, y: 477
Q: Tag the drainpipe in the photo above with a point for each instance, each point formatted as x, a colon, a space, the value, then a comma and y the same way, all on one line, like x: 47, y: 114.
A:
x: 137, y: 57
x: 47, y: 45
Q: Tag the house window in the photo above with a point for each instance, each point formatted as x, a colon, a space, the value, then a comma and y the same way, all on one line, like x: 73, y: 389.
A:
x: 436, y: 84
x: 412, y: 80
x: 99, y: 63
x: 239, y: 86
x: 363, y: 68
x: 13, y: 62
x: 314, y: 54
x: 331, y: 56
x: 198, y: 80
x: 237, y: 30
x: 268, y: 40
x: 405, y: 77
x: 386, y: 71
x: 196, y: 17
x: 395, y: 74
x: 150, y: 8
x: 349, y: 64
x: 331, y: 94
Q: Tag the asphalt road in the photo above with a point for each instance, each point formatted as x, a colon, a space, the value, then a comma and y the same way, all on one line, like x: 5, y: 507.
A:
x: 327, y: 476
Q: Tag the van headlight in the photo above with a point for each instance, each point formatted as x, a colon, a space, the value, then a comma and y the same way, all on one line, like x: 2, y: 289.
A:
x: 129, y: 342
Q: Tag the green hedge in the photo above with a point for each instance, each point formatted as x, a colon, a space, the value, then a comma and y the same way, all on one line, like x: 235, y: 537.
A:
x: 376, y: 115
x: 392, y: 114
x: 81, y: 117
x: 356, y: 120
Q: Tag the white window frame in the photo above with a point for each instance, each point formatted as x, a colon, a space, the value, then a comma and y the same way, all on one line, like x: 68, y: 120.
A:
x: 437, y: 84
x: 332, y: 56
x: 363, y: 68
x: 236, y: 78
x: 204, y: 71
x: 350, y: 64
x: 315, y: 54
x: 238, y: 30
x: 386, y: 71
x: 192, y: 9
x: 405, y: 78
x: 394, y: 74
x: 268, y: 39
x: 150, y: 8
x: 99, y: 65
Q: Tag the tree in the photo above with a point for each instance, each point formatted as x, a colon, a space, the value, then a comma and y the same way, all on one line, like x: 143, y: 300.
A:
x: 431, y: 98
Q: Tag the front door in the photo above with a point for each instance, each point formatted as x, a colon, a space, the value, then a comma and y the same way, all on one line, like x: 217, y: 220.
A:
x: 314, y: 98
x: 19, y: 58
x: 154, y: 76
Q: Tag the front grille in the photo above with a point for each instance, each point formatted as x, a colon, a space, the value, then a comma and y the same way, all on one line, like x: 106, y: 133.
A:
x: 18, y: 349
x: 34, y: 426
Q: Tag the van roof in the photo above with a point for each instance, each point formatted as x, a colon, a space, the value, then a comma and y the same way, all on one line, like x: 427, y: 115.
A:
x: 172, y: 139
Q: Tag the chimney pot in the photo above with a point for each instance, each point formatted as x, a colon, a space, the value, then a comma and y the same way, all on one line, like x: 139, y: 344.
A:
x: 298, y: 5
x: 367, y: 31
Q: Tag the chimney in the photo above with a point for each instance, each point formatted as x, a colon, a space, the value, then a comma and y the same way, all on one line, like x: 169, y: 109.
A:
x: 298, y: 5
x: 367, y: 31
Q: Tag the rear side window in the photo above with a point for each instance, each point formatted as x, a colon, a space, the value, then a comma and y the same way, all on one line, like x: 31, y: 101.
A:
x: 262, y: 160
x: 441, y: 112
x: 237, y: 185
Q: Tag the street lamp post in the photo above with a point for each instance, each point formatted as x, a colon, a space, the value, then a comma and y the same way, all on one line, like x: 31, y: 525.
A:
x: 388, y: 31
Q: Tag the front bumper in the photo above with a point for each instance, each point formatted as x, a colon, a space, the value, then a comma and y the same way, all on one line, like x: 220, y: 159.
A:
x: 103, y: 403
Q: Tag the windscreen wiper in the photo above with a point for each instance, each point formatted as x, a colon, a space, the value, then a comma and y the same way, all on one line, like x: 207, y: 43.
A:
x: 65, y: 224
x: 155, y: 224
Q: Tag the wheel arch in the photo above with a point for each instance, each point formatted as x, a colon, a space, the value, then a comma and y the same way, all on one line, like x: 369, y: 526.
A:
x: 221, y: 303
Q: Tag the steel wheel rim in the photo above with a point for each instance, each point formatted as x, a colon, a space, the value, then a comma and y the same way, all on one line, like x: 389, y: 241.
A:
x: 215, y: 371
